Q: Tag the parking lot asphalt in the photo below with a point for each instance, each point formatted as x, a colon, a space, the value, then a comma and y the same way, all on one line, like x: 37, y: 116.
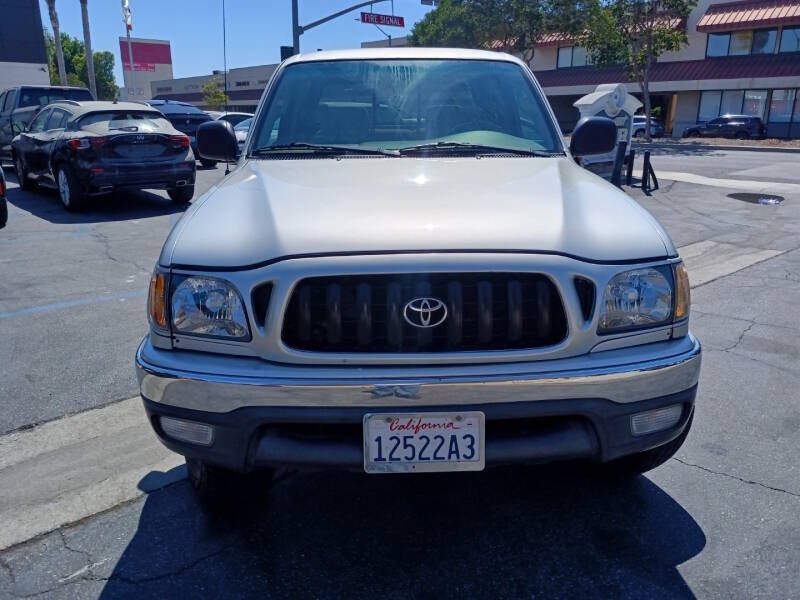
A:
x: 719, y: 520
x: 72, y: 297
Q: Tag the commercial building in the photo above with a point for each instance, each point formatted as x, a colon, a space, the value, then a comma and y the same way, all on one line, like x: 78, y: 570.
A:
x: 152, y: 61
x: 245, y: 86
x: 742, y: 58
x: 23, y: 59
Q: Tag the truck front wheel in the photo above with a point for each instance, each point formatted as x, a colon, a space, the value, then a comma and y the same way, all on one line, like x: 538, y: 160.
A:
x: 221, y: 489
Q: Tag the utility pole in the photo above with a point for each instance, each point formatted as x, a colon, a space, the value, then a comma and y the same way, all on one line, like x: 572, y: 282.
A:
x: 298, y: 30
x: 87, y: 40
x: 126, y: 18
x: 225, y: 56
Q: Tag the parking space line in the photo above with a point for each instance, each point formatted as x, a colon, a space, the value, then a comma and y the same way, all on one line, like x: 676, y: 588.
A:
x: 764, y: 187
x: 44, y: 308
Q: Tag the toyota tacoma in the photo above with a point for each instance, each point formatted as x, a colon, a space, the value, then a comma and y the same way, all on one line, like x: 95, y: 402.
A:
x: 407, y: 271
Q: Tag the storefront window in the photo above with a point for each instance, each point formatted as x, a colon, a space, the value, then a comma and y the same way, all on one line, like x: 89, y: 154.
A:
x: 790, y: 39
x: 709, y: 106
x: 741, y: 42
x: 731, y: 102
x: 780, y: 108
x: 565, y: 57
x: 764, y: 41
x: 796, y: 117
x: 718, y: 44
x: 755, y: 101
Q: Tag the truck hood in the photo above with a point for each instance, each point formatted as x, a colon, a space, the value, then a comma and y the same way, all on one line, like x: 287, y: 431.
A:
x: 269, y: 209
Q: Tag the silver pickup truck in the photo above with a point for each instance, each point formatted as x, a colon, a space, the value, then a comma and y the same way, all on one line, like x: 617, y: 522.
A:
x: 407, y: 271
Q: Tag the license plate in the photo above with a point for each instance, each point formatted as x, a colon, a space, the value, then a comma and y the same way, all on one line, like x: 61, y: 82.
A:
x: 423, y: 442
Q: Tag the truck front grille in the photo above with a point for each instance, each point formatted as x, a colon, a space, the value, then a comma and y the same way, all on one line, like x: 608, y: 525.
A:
x: 371, y: 313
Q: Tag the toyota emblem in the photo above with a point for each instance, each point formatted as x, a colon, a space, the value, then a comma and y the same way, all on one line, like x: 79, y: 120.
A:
x: 425, y: 312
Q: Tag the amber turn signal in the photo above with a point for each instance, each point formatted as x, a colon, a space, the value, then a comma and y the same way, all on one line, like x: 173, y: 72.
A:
x: 157, y: 300
x: 682, y: 294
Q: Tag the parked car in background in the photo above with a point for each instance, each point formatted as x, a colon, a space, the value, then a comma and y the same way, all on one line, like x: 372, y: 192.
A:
x: 640, y: 122
x: 741, y: 127
x: 186, y: 118
x: 3, y: 201
x: 234, y: 118
x: 90, y: 148
x: 408, y: 272
x: 240, y: 131
x: 18, y: 105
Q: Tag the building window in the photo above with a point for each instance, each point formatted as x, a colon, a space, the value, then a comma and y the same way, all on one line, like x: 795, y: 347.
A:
x: 790, y: 39
x: 565, y: 57
x: 262, y: 81
x: 242, y: 84
x: 709, y: 106
x: 718, y: 44
x: 780, y: 108
x: 764, y: 41
x: 192, y: 87
x: 796, y: 117
x: 741, y: 43
x: 731, y: 102
x: 161, y: 90
x: 755, y: 101
x: 579, y: 58
x: 573, y: 56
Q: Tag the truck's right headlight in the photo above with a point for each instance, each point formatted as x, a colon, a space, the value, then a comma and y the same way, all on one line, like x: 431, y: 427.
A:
x: 637, y: 299
x: 208, y: 306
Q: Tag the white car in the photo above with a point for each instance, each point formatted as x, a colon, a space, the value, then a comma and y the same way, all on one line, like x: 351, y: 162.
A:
x: 240, y: 131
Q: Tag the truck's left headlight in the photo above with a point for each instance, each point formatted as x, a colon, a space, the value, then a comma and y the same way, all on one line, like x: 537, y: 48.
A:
x: 208, y: 306
x: 637, y: 299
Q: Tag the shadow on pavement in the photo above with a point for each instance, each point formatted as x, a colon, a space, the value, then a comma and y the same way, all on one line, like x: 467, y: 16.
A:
x: 503, y: 533
x: 119, y: 206
x: 674, y: 150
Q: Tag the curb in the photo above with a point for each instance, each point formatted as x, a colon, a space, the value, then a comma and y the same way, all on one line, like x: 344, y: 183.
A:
x: 658, y: 146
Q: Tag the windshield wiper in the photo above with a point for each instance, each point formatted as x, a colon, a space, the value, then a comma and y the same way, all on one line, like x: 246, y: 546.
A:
x: 476, y: 148
x: 322, y: 148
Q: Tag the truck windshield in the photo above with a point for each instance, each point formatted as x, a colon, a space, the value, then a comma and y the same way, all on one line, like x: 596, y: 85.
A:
x: 44, y: 96
x: 396, y: 104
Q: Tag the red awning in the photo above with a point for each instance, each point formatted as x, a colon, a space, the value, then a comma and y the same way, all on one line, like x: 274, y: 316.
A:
x: 749, y: 15
x: 729, y: 67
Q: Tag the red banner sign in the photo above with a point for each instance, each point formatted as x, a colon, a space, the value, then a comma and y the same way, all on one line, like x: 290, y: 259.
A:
x: 376, y: 19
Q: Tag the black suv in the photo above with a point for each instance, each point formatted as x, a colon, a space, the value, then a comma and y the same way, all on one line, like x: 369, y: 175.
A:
x: 741, y: 127
x: 18, y: 105
x: 89, y: 148
x: 186, y: 118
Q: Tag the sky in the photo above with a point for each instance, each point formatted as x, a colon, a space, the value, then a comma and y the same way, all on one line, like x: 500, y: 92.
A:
x: 255, y: 28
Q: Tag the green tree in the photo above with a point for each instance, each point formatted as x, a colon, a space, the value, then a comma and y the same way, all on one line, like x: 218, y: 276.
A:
x: 634, y: 33
x: 510, y: 25
x: 213, y: 96
x: 76, y: 66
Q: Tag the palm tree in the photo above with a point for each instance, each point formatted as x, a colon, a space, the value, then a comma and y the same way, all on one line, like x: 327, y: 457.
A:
x: 62, y: 71
x: 87, y: 40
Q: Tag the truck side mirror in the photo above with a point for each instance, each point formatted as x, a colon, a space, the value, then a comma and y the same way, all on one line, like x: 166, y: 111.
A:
x: 216, y: 141
x: 593, y: 135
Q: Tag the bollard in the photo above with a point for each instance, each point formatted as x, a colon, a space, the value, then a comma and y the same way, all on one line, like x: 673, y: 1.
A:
x: 629, y: 174
x: 647, y: 173
x: 616, y: 174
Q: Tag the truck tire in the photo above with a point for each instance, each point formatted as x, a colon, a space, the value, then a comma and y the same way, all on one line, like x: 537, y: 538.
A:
x: 220, y: 489
x: 641, y: 462
x: 208, y: 164
x: 181, y: 195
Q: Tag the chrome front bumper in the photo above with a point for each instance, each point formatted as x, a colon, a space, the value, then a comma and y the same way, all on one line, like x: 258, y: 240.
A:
x: 219, y: 384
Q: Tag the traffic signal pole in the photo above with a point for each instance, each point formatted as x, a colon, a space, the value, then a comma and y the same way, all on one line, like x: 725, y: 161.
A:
x: 298, y: 30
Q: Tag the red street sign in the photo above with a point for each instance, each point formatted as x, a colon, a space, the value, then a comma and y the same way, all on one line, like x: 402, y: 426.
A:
x: 376, y: 19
